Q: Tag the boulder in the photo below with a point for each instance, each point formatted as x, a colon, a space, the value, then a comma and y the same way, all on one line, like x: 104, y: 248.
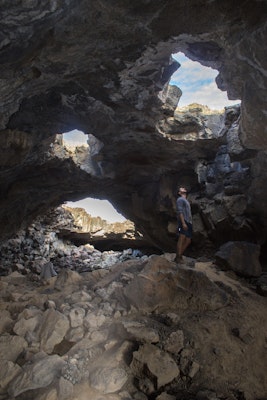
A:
x: 261, y: 285
x: 11, y: 346
x: 52, y: 330
x: 159, y: 364
x: 240, y: 257
x: 76, y: 317
x: 140, y: 331
x: 38, y: 373
x: 165, y: 396
x: 174, y: 343
x: 67, y: 278
x: 108, y: 380
x: 6, y: 321
x: 65, y: 389
x: 162, y: 285
x: 28, y: 324
x: 8, y: 371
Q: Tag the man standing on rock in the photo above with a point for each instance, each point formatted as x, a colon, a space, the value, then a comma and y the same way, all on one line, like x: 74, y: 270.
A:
x: 184, y: 224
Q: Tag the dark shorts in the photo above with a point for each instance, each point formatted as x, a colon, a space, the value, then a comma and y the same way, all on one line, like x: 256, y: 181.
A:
x: 188, y: 233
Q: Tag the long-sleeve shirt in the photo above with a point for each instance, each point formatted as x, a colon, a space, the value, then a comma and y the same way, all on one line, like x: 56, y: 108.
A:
x: 183, y: 207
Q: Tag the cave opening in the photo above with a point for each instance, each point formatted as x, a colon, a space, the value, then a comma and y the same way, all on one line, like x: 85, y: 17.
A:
x: 98, y: 222
x: 198, y: 85
x: 75, y: 138
x: 98, y: 208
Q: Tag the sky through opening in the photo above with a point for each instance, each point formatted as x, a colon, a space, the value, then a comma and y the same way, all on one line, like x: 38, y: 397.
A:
x: 198, y: 85
x: 75, y: 138
x: 98, y: 208
x: 94, y: 207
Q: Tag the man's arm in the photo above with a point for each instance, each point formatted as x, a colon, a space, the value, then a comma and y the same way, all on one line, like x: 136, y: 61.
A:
x: 183, y: 221
x: 181, y: 214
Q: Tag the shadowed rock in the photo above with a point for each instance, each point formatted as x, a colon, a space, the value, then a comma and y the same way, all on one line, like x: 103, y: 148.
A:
x: 104, y: 68
x: 240, y: 257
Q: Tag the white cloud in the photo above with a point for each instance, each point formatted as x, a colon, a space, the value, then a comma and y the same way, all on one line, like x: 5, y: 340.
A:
x: 192, y: 71
x: 98, y: 208
x: 207, y: 95
x: 75, y: 137
x: 198, y: 84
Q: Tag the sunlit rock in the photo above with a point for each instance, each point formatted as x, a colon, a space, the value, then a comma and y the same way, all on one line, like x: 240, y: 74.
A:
x: 108, y: 380
x: 37, y: 374
x: 52, y: 330
x: 159, y: 363
x: 8, y: 372
x: 11, y: 346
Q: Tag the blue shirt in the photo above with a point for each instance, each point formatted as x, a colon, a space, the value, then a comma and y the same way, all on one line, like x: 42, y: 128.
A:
x: 183, y: 207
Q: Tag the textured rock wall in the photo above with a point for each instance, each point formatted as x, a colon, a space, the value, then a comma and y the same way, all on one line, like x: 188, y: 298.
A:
x: 71, y: 239
x: 102, y: 67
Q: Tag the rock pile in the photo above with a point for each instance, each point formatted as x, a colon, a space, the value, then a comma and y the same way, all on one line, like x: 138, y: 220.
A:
x: 32, y: 248
x: 140, y: 329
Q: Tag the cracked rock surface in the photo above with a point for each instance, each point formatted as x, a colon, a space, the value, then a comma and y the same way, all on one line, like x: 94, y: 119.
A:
x: 140, y: 329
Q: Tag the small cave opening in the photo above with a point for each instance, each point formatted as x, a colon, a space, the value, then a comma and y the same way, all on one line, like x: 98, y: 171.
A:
x: 75, y: 138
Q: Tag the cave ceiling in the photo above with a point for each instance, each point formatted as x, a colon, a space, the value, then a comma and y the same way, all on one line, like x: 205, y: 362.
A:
x: 103, y: 67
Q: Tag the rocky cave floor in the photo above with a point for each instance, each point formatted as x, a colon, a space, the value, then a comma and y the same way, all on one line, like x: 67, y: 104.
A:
x: 131, y: 328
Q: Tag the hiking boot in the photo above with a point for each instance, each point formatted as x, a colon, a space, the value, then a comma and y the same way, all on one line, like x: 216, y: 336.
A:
x: 179, y: 260
x: 190, y: 263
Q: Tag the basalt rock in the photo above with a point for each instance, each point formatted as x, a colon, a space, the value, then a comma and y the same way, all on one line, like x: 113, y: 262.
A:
x: 241, y: 257
x: 85, y: 229
x: 60, y: 240
x: 77, y: 338
x: 103, y: 67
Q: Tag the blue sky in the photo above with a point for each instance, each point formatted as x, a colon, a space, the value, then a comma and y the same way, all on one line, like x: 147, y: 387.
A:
x: 198, y: 84
x: 75, y: 138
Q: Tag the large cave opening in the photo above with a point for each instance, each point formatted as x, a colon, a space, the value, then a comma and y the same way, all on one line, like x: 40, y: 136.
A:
x: 95, y: 221
x: 98, y: 208
x: 198, y: 85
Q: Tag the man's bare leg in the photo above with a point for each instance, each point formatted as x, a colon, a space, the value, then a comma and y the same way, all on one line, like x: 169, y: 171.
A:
x: 180, y: 246
x: 186, y: 243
